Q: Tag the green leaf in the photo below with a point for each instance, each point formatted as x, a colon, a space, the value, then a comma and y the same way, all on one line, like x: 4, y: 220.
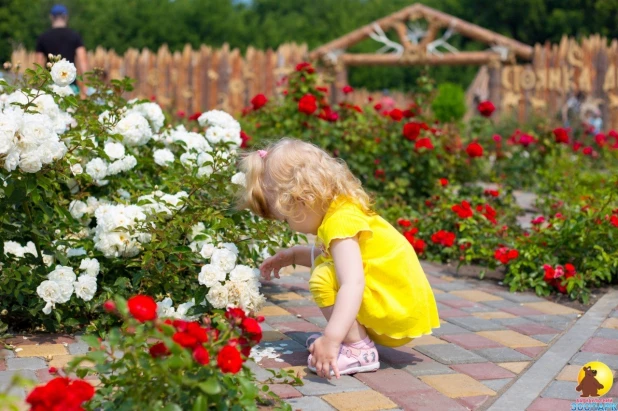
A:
x: 172, y: 407
x: 200, y: 404
x: 210, y: 386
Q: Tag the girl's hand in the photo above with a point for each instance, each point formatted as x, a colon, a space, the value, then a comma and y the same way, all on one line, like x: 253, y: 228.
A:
x: 275, y: 263
x: 325, y: 352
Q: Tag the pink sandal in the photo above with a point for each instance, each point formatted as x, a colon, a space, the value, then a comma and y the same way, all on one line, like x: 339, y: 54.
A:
x: 354, y: 358
x: 311, y: 339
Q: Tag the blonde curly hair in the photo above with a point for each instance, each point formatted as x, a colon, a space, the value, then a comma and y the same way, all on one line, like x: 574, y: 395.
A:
x: 292, y: 172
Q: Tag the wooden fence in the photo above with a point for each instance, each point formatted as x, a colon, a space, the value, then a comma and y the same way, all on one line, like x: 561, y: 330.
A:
x: 556, y: 73
x: 199, y: 80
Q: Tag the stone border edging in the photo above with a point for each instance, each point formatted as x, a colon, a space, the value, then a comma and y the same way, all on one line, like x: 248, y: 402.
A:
x: 531, y: 384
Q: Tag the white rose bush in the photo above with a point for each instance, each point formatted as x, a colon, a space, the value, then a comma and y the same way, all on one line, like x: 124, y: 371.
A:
x: 103, y: 198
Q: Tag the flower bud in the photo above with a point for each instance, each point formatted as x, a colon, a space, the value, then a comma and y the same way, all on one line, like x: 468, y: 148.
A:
x: 50, y: 56
x: 49, y: 65
x: 109, y: 306
x: 4, y: 312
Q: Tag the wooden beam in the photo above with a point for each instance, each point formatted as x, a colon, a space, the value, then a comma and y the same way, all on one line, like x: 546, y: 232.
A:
x: 459, y: 59
x: 476, y: 32
x: 402, y: 33
x: 362, y: 33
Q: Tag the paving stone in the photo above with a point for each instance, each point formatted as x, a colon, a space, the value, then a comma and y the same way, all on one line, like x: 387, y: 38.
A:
x: 441, y: 297
x: 614, y: 314
x: 545, y: 404
x: 448, y: 328
x: 266, y: 327
x: 7, y: 376
x: 306, y: 311
x: 532, y: 352
x: 521, y: 311
x: 285, y: 391
x: 452, y: 313
x: 498, y: 384
x: 488, y: 314
x: 564, y: 390
x: 273, y: 310
x: 476, y: 295
x: 478, y: 309
x: 473, y: 403
x: 476, y: 324
x: 511, y: 339
x: 428, y: 368
x: 450, y: 354
x: 471, y: 341
x: 548, y: 307
x: 300, y: 337
x: 453, y: 286
x: 426, y: 400
x: 601, y: 332
x: 582, y: 358
x: 519, y: 297
x: 501, y: 304
x: 513, y: 321
x: 314, y: 385
x: 30, y: 363
x: 515, y: 367
x: 533, y: 329
x: 2, y: 365
x: 546, y: 338
x: 288, y: 345
x: 285, y: 296
x: 303, y: 302
x: 401, y: 356
x: 40, y: 339
x: 483, y: 371
x: 276, y: 319
x: 459, y: 303
x: 43, y: 376
x: 309, y: 404
x: 41, y: 350
x: 319, y: 321
x: 391, y: 381
x: 368, y: 400
x: 569, y: 373
x: 610, y: 323
x: 6, y: 354
x: 457, y: 385
x: 601, y: 345
x: 61, y: 361
x: 300, y: 371
x: 301, y: 326
x: 273, y: 336
x: 502, y: 354
x: 425, y: 340
x: 78, y: 348
x: 260, y: 373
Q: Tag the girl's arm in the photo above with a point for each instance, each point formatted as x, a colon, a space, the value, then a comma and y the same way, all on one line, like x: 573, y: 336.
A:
x: 302, y: 255
x: 351, y: 276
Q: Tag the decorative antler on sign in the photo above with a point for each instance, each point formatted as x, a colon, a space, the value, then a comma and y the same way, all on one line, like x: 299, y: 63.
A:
x: 380, y: 37
x: 432, y: 48
x: 416, y: 32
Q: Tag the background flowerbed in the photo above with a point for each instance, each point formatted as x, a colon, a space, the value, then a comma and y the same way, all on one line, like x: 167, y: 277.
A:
x: 429, y: 171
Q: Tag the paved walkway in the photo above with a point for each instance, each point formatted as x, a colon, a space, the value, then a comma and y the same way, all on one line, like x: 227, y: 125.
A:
x: 494, y: 350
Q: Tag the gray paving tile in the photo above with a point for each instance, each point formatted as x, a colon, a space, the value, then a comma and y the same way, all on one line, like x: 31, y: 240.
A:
x: 428, y: 368
x: 501, y: 304
x: 7, y: 354
x: 552, y: 320
x: 309, y: 404
x: 28, y: 363
x: 476, y: 324
x: 78, y: 348
x: 299, y: 338
x: 607, y: 333
x: 274, y: 319
x: 546, y: 338
x: 452, y: 286
x: 7, y: 376
x: 285, y: 345
x: 449, y: 354
x: 478, y: 308
x: 314, y: 385
x: 519, y: 297
x: 564, y: 390
x: 498, y: 384
x: 614, y: 314
x: 582, y: 358
x: 513, y: 321
x: 260, y: 373
x: 297, y: 303
x: 319, y: 321
x: 448, y: 328
x: 504, y: 354
x: 446, y: 296
x: 442, y: 307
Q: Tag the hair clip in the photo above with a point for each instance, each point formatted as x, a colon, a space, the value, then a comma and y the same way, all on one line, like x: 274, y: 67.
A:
x: 262, y: 153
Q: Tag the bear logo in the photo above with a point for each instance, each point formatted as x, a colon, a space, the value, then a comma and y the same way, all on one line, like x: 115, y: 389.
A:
x: 589, y: 386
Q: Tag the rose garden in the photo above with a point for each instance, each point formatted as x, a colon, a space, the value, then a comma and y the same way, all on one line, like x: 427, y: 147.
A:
x: 119, y: 232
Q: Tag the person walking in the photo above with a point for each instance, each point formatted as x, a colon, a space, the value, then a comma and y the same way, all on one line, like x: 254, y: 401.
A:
x: 62, y: 40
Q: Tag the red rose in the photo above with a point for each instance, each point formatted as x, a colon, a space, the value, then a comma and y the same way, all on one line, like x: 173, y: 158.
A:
x: 561, y: 135
x: 576, y: 146
x: 235, y: 313
x: 492, y: 193
x: 396, y: 114
x: 252, y: 327
x: 181, y: 114
x: 158, y: 350
x: 307, y: 104
x: 474, y: 149
x: 587, y: 151
x: 109, y: 306
x: 143, y: 308
x: 198, y: 332
x: 614, y: 220
x: 486, y: 108
x: 347, y: 89
x: 463, y: 210
x: 377, y: 107
x: 184, y: 339
x: 60, y: 394
x: 245, y: 139
x: 242, y: 344
x: 379, y: 173
x: 445, y: 238
x: 200, y: 354
x: 322, y: 89
x: 305, y: 66
x: 419, y: 246
x: 259, y: 101
x: 53, y: 370
x: 181, y: 325
x: 539, y: 220
x: 424, y: 142
x: 229, y: 359
x: 404, y: 223
x: 488, y: 211
x: 412, y: 130
x: 504, y: 255
x: 195, y: 116
x: 443, y: 182
x: 600, y: 139
x: 570, y: 270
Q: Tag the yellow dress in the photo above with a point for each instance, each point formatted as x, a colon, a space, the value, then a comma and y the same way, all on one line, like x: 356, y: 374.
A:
x: 398, y: 304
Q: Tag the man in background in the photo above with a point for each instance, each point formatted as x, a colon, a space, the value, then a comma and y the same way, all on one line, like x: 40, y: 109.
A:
x: 62, y: 40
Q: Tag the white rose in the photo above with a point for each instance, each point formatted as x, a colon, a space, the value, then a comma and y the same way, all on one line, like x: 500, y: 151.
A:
x: 77, y: 209
x: 235, y: 293
x: 97, y: 168
x: 30, y: 163
x: 218, y: 118
x: 230, y: 246
x: 207, y: 250
x: 13, y: 247
x: 181, y: 311
x: 30, y: 248
x: 62, y: 274
x: 48, y: 308
x: 49, y: 291
x: 63, y: 73
x: 224, y: 259
x: 66, y: 291
x: 77, y: 169
x: 128, y: 163
x: 163, y: 157
x: 114, y: 151
x: 91, y: 266
x: 204, y: 171
x: 76, y: 252
x: 63, y: 91
x: 85, y: 287
x: 243, y: 273
x: 134, y: 128
x: 165, y: 308
x: 215, y: 134
x: 211, y: 275
x: 218, y: 296
x: 239, y: 179
x: 11, y: 161
x: 196, y: 229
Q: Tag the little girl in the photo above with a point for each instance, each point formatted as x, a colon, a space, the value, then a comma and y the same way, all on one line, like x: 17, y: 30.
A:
x: 365, y: 275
